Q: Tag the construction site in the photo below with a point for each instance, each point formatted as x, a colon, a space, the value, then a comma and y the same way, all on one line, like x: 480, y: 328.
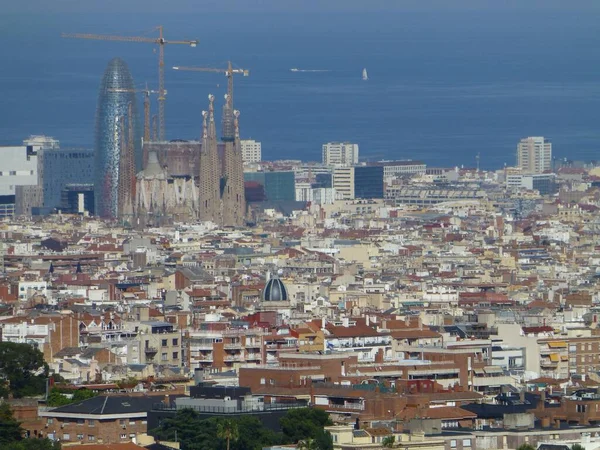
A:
x: 143, y: 178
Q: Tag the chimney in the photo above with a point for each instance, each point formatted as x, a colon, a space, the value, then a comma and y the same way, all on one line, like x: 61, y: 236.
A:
x: 522, y: 396
x: 367, y: 319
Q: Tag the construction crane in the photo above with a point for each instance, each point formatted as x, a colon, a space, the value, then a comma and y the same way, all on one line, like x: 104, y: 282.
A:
x: 229, y: 72
x: 147, y: 93
x: 161, y: 42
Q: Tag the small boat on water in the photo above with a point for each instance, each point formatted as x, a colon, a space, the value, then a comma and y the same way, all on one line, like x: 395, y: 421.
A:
x: 365, y: 75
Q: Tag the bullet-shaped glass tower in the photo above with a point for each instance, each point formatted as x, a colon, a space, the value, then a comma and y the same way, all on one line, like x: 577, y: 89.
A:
x: 116, y: 92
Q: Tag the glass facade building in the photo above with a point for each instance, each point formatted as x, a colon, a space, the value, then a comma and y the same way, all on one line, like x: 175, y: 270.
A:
x: 62, y: 167
x: 115, y: 95
x: 368, y: 182
x: 278, y: 186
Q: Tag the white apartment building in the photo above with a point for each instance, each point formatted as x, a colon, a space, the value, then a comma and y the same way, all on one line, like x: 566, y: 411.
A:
x: 340, y: 154
x: 251, y: 151
x: 321, y: 196
x: 19, y: 168
x: 534, y: 154
x: 396, y: 169
x: 343, y: 182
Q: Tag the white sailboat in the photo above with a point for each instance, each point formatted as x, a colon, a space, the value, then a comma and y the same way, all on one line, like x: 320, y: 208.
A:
x: 365, y: 76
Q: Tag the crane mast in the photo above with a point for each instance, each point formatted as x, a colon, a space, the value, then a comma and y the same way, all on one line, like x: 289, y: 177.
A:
x: 161, y: 42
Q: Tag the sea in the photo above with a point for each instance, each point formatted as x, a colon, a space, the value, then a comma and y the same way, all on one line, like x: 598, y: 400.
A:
x: 443, y: 87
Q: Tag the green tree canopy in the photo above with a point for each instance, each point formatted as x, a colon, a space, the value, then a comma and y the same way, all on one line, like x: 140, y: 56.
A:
x: 23, y: 370
x: 196, y: 433
x: 307, y: 423
x: 57, y: 396
x: 525, y: 447
x: 389, y: 441
x: 11, y: 434
x: 577, y: 447
x: 227, y: 430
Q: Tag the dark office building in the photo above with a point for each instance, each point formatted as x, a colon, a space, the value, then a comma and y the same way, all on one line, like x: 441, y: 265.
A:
x: 278, y: 186
x: 77, y: 198
x: 63, y: 167
x: 368, y: 182
x: 545, y: 184
x: 322, y: 180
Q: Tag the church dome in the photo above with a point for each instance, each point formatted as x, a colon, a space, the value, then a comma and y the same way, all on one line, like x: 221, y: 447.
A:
x: 275, y: 291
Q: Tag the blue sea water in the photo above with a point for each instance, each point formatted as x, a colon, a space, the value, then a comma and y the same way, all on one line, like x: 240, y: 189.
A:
x: 443, y: 86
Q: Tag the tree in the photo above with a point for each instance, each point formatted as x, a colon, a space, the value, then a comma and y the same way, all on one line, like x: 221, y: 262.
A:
x: 389, y: 441
x: 303, y: 423
x: 525, y: 447
x: 308, y: 444
x: 228, y: 430
x: 57, y: 397
x: 577, y: 447
x: 34, y: 444
x: 10, y: 429
x: 11, y: 434
x: 23, y: 368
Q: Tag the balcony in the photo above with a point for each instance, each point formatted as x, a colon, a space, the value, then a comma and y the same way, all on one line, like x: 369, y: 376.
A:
x: 150, y: 350
x: 253, y: 344
x: 253, y: 356
x: 233, y: 346
x: 346, y: 406
x: 232, y: 358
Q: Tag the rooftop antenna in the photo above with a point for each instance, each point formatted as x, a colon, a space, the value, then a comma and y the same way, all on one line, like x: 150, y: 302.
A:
x: 477, y: 158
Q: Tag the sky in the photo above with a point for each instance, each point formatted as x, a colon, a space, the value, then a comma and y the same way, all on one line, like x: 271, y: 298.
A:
x: 265, y: 6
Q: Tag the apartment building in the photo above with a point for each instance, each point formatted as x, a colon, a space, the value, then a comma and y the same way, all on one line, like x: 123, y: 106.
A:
x: 534, y: 154
x: 340, y: 154
x: 158, y: 343
x: 251, y: 151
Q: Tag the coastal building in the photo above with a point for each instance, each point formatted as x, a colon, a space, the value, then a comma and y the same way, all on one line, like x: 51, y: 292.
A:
x: 62, y: 167
x: 340, y: 154
x: 251, y: 151
x: 343, y: 182
x: 397, y: 169
x: 368, y: 182
x: 277, y: 186
x: 19, y: 168
x: 534, y: 154
x: 115, y: 96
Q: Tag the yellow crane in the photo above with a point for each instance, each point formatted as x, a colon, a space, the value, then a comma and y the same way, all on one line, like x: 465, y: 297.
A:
x: 229, y: 72
x: 161, y: 42
x: 147, y: 93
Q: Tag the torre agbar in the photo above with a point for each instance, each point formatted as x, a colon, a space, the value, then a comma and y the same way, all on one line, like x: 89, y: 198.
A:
x: 115, y: 96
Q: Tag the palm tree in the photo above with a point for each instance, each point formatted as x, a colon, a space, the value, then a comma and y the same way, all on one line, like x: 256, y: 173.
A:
x: 389, y: 441
x: 227, y: 429
x: 308, y: 444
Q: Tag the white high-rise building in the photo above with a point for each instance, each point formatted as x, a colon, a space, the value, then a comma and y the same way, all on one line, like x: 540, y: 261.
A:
x: 251, y: 151
x: 340, y: 154
x: 534, y: 154
x: 343, y: 182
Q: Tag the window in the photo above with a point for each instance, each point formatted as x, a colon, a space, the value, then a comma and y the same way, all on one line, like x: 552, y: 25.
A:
x: 466, y: 442
x: 164, y: 342
x: 581, y: 408
x: 122, y: 422
x: 175, y: 341
x: 91, y: 437
x: 80, y: 421
x: 263, y: 381
x: 80, y: 437
x: 163, y: 357
x: 50, y: 421
x: 175, y: 355
x: 132, y: 422
x: 66, y: 437
x: 91, y: 422
x: 12, y: 172
x: 123, y: 436
x: 453, y: 443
